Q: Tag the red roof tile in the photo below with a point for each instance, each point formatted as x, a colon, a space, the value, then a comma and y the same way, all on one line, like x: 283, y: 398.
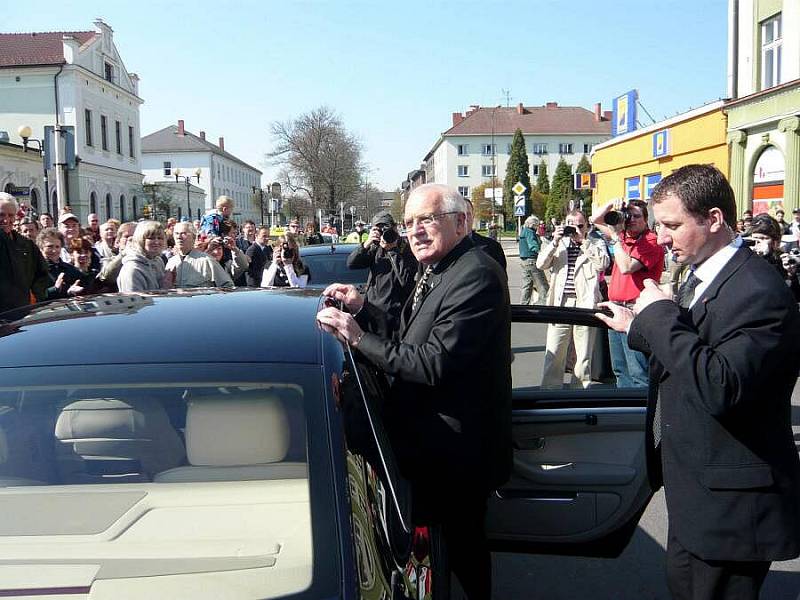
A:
x: 25, y: 49
x: 534, y: 120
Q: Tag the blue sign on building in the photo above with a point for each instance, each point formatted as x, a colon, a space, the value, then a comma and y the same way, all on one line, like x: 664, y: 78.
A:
x: 661, y: 143
x: 632, y: 191
x: 624, y: 113
x: 650, y: 182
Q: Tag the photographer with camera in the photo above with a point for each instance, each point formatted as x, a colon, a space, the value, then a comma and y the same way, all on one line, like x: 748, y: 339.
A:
x: 286, y: 270
x: 765, y: 241
x: 575, y: 262
x: 637, y: 256
x: 392, y: 268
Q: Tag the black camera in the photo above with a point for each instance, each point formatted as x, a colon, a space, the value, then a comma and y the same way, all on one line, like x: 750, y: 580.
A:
x: 288, y: 253
x: 570, y: 230
x: 330, y: 301
x: 388, y: 233
x: 614, y: 217
x: 794, y: 257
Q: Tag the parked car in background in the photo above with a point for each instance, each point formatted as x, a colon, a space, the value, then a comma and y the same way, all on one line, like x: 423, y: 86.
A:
x: 328, y: 264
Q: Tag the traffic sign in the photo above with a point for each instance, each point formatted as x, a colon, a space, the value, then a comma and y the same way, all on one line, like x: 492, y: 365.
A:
x: 518, y: 188
x: 519, y: 206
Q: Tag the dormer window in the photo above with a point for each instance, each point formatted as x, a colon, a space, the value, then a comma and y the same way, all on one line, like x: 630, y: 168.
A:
x: 109, y: 72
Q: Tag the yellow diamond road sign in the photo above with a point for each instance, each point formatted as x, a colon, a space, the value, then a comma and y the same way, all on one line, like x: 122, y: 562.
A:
x: 518, y: 188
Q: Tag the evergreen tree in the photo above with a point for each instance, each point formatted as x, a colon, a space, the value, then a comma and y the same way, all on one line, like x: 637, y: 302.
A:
x: 543, y: 181
x: 517, y: 170
x: 561, y: 192
x: 585, y: 196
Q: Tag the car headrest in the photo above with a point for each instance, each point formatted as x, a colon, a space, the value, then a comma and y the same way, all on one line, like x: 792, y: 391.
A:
x: 111, y: 418
x: 231, y: 430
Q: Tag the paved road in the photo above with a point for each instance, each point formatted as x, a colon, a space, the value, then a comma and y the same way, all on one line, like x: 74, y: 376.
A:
x: 637, y: 574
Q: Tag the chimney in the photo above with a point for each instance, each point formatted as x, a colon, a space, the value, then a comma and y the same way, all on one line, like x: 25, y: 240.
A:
x: 607, y: 115
x: 71, y: 46
x: 222, y: 144
x: 203, y: 135
x: 521, y: 110
x: 598, y: 114
x: 457, y: 118
x: 551, y: 105
x: 473, y: 108
x: 181, y: 130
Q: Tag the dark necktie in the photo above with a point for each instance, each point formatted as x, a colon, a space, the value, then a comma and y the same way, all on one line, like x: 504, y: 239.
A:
x: 686, y: 291
x: 421, y: 289
x: 684, y: 299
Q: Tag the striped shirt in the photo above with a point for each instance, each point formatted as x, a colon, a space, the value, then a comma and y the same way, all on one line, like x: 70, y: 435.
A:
x: 573, y: 252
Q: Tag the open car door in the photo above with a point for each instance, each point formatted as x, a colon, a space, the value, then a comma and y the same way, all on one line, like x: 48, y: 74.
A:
x: 579, y: 482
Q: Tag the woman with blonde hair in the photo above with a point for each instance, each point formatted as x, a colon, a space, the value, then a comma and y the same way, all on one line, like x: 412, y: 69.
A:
x: 142, y: 266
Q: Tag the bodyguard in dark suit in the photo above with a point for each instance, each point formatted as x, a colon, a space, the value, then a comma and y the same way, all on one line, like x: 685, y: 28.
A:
x: 449, y: 411
x: 260, y: 255
x: 487, y: 244
x: 724, y: 358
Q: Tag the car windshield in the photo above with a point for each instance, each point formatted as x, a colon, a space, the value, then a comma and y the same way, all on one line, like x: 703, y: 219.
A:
x: 143, y: 484
x: 332, y: 268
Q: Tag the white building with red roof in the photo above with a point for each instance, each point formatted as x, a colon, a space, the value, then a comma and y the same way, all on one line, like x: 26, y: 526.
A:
x: 479, y: 142
x: 78, y: 79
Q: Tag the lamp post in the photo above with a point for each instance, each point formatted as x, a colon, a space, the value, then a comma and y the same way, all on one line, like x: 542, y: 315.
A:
x: 494, y: 168
x: 187, y: 179
x: 260, y: 192
x: 25, y: 133
x: 275, y: 195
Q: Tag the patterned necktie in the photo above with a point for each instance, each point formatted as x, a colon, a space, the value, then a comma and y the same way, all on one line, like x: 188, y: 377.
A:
x: 684, y: 299
x: 421, y: 289
x: 686, y: 291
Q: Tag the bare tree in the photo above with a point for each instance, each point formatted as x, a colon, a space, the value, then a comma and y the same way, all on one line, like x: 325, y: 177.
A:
x: 320, y: 157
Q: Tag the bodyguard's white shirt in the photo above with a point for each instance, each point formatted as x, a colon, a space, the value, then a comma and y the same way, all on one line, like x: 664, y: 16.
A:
x: 712, y: 266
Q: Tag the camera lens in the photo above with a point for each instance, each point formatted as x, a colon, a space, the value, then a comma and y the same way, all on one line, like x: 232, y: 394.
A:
x: 389, y: 235
x: 570, y: 230
x: 612, y: 218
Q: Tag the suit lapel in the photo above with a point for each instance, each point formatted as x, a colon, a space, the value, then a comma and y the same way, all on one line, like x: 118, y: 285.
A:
x: 700, y: 308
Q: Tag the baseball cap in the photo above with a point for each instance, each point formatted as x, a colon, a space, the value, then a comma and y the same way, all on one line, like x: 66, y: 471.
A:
x: 795, y: 211
x: 66, y: 217
x: 383, y: 218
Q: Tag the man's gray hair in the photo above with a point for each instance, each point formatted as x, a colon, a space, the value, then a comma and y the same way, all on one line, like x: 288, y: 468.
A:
x: 451, y: 199
x: 6, y: 198
x: 188, y: 225
x: 531, y: 222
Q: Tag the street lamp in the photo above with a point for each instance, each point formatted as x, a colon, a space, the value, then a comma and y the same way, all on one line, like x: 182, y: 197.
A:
x: 25, y: 133
x: 275, y: 195
x: 260, y: 192
x: 494, y: 168
x: 187, y: 179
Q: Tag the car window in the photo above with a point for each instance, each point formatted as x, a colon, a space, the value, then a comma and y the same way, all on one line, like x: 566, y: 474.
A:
x: 567, y: 356
x: 332, y: 268
x: 214, y: 477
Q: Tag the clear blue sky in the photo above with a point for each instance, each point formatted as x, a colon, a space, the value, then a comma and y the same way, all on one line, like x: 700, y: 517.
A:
x: 395, y: 71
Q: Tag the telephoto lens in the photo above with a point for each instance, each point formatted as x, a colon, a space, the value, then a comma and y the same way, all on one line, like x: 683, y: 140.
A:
x: 612, y: 218
x: 389, y: 235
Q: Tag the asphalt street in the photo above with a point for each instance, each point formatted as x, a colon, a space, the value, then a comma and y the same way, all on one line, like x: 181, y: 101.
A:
x: 638, y: 573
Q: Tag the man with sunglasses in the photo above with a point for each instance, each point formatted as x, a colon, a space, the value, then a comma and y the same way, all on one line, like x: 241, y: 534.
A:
x: 637, y: 256
x: 448, y: 414
x: 575, y: 262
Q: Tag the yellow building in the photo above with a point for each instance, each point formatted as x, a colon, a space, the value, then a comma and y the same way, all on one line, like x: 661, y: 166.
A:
x: 629, y: 166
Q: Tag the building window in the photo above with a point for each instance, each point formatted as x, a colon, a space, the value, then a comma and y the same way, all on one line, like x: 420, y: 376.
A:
x: 463, y: 170
x: 118, y: 132
x: 87, y: 122
x: 771, y: 51
x: 109, y: 72
x: 167, y: 168
x: 108, y: 206
x: 104, y: 132
x: 488, y: 170
x: 93, y: 202
x: 587, y: 148
x: 135, y: 207
x: 463, y: 149
x: 131, y: 149
x: 464, y: 191
x: 565, y: 148
x: 122, y: 207
x: 489, y: 149
x: 535, y: 170
x: 539, y: 148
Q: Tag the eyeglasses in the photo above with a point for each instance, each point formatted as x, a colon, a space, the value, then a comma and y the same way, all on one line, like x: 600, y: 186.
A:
x: 427, y: 220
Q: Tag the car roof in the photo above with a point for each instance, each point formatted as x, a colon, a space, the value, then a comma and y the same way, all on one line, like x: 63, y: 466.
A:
x: 328, y: 249
x: 177, y: 326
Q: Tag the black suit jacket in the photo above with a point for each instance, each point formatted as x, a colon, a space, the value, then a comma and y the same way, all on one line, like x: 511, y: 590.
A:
x: 725, y: 372
x: 258, y: 260
x: 491, y: 247
x: 449, y: 411
x: 23, y: 270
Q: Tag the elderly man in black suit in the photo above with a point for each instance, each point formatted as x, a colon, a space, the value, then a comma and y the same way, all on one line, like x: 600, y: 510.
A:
x: 449, y: 411
x: 724, y: 358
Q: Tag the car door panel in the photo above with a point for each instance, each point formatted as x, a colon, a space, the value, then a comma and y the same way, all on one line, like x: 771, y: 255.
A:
x: 579, y: 482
